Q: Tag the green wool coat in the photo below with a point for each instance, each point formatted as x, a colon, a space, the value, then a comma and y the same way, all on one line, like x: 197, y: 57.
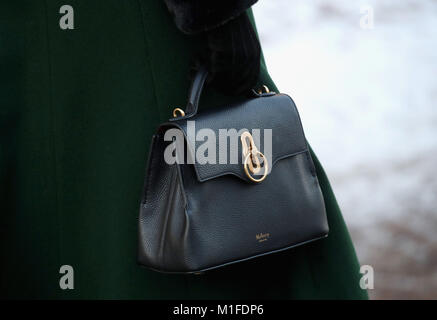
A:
x: 77, y: 111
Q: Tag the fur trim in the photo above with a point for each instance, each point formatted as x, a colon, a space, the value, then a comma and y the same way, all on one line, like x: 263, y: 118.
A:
x: 195, y: 16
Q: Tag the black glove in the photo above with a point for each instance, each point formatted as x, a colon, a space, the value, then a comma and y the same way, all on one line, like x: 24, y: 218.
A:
x: 232, y: 50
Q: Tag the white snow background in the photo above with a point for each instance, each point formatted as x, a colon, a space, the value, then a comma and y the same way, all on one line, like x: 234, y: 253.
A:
x: 367, y: 99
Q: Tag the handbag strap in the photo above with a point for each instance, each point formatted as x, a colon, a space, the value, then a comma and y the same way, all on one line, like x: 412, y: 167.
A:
x: 193, y: 96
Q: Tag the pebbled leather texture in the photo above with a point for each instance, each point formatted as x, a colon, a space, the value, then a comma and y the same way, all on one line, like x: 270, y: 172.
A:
x: 197, y: 217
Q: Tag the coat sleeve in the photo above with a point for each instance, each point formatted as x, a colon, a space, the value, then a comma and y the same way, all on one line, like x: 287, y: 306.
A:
x: 195, y: 16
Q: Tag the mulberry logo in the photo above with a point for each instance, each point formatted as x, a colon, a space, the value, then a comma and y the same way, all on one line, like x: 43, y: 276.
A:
x: 261, y: 237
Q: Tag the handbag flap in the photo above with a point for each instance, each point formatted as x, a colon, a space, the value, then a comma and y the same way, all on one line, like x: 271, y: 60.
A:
x: 274, y: 117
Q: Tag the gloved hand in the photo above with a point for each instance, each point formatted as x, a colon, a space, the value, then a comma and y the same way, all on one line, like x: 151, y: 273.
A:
x: 231, y: 49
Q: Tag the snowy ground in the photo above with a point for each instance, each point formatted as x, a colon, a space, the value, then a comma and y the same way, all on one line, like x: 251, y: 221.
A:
x: 367, y: 102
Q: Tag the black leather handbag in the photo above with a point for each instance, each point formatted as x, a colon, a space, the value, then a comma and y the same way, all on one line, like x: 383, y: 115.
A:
x: 196, y: 216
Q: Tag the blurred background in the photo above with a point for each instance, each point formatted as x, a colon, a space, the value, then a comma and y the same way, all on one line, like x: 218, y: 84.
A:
x: 363, y: 75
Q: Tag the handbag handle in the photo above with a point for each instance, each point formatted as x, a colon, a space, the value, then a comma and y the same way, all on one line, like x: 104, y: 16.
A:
x: 196, y: 90
x: 193, y: 96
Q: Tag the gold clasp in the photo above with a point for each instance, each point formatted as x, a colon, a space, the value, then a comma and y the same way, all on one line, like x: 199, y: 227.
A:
x: 251, y: 154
